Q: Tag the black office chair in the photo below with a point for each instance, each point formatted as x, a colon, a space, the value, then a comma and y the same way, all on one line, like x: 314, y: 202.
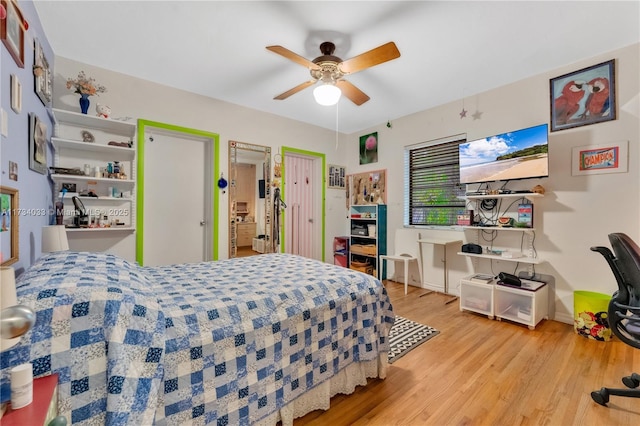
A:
x: 624, y: 307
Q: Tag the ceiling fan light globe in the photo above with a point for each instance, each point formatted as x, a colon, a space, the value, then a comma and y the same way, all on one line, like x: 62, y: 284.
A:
x: 327, y: 94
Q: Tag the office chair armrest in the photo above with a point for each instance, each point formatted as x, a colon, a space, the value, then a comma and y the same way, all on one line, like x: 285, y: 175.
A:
x: 605, y: 251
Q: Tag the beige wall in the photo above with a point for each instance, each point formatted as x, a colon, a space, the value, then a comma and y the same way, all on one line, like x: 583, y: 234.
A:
x: 577, y: 212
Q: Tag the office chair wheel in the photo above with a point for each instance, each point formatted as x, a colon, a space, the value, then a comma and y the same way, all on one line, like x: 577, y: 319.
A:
x: 601, y: 396
x: 631, y: 381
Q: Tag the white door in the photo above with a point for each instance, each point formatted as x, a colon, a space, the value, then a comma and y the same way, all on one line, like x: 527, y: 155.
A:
x: 303, y: 196
x: 177, y: 198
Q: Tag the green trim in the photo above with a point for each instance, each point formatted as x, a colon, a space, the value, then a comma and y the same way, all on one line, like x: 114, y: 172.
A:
x: 215, y: 160
x: 284, y: 150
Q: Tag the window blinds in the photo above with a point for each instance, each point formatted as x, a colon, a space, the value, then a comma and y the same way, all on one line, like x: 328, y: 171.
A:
x: 433, y: 194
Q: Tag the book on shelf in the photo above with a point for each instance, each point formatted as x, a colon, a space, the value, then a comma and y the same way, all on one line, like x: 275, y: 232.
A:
x: 481, y: 278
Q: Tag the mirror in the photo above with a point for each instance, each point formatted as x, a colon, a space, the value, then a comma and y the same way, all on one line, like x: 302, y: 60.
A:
x: 9, y: 226
x: 249, y: 199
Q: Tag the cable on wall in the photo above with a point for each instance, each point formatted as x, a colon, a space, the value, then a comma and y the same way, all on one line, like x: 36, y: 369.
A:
x: 337, y: 115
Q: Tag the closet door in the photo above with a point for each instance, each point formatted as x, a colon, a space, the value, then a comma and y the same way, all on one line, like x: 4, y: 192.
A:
x: 303, y: 196
x: 177, y: 194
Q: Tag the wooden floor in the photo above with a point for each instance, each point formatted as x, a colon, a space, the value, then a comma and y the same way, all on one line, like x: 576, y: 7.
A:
x: 486, y: 372
x: 245, y: 251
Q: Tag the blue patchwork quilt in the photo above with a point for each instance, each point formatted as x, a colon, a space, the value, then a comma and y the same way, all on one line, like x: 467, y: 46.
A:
x: 225, y: 342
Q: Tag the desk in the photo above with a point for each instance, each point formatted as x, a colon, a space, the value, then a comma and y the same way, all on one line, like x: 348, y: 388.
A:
x: 441, y: 242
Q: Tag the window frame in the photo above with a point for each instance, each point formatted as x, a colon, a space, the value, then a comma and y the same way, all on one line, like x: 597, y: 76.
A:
x: 408, y: 190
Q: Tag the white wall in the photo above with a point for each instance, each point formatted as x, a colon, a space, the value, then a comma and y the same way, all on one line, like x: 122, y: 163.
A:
x: 576, y: 213
x: 137, y: 98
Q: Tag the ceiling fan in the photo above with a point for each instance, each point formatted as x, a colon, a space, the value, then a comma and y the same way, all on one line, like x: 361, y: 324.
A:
x: 331, y: 70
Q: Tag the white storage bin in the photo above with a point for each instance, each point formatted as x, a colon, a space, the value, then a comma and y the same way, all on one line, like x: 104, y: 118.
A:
x: 476, y: 297
x: 258, y: 245
x: 522, y: 306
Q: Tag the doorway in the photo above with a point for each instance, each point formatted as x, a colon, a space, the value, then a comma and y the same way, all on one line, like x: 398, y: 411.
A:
x: 177, y: 220
x: 303, y: 221
x: 250, y: 218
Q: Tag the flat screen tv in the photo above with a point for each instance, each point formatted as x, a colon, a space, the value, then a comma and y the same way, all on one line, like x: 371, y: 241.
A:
x: 522, y: 154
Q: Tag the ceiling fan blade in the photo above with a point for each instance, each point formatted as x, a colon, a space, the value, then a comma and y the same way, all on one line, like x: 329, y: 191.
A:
x: 354, y: 94
x: 376, y: 56
x: 293, y: 56
x: 295, y: 90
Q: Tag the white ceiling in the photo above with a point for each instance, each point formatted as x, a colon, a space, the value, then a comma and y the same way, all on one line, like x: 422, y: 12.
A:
x: 449, y: 50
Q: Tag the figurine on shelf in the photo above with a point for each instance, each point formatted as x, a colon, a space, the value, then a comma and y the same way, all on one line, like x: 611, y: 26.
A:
x: 87, y: 136
x: 103, y: 111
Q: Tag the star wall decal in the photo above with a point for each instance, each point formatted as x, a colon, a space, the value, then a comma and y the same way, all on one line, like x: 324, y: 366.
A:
x: 477, y: 115
x: 463, y: 113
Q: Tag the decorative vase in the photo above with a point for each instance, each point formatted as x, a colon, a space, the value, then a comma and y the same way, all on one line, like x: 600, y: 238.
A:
x: 84, y: 103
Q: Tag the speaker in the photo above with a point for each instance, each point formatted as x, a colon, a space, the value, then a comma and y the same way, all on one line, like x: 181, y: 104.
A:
x: 472, y: 248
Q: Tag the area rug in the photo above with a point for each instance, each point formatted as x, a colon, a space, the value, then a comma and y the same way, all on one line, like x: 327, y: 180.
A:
x: 406, y: 335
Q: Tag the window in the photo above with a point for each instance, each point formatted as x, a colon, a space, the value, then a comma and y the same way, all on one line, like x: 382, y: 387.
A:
x: 432, y: 190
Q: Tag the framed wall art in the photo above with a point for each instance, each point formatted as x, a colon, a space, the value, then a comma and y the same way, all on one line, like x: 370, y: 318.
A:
x: 9, y: 225
x: 42, y: 75
x: 13, y: 170
x: 600, y: 159
x: 12, y: 31
x: 586, y: 96
x: 16, y: 94
x: 369, y: 148
x: 37, y: 144
x: 336, y: 177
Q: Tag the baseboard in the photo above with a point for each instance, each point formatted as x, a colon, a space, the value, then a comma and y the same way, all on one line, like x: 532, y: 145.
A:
x: 565, y: 318
x: 438, y: 288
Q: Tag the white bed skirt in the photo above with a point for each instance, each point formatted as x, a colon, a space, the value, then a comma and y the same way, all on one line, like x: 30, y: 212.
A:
x: 319, y: 398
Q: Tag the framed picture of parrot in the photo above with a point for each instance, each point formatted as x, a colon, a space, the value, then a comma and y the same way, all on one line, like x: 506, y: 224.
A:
x: 583, y: 97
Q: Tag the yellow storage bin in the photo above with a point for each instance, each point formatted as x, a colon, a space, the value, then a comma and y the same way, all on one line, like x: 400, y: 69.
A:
x: 590, y: 315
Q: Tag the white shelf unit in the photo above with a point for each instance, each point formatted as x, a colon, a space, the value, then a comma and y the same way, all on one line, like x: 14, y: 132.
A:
x: 529, y: 255
x: 70, y: 151
x: 498, y: 301
x: 531, y: 196
x: 494, y: 228
x: 527, y: 260
x: 114, y: 151
x: 501, y: 302
x: 86, y: 121
x: 97, y: 230
x: 86, y: 199
x: 85, y: 179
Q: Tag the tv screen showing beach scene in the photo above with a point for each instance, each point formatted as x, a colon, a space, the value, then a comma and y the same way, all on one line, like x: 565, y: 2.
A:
x: 521, y: 154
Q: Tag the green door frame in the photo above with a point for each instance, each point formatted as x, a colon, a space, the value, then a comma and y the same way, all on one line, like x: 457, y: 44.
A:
x: 142, y: 125
x: 289, y: 150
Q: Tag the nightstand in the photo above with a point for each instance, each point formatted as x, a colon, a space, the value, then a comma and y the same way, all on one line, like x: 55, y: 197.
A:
x: 42, y: 410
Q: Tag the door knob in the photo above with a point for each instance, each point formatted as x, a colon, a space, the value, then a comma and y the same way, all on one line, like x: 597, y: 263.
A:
x: 203, y: 223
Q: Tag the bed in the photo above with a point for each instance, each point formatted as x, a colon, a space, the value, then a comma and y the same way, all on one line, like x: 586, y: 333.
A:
x: 253, y: 340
